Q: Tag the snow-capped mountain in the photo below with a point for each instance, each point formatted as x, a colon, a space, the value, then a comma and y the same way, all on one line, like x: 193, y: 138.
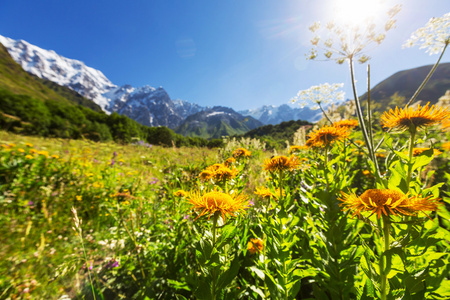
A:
x: 217, y: 122
x: 47, y: 64
x: 148, y: 105
x: 270, y: 114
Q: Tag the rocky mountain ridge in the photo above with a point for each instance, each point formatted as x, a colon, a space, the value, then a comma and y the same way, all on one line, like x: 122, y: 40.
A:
x: 148, y: 105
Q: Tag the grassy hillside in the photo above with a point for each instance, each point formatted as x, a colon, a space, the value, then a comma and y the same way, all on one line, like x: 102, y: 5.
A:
x: 276, y: 135
x: 13, y: 78
x: 33, y: 106
x: 399, y: 88
x: 216, y: 123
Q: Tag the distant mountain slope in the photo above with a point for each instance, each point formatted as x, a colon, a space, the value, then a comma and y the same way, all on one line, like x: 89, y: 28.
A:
x: 16, y: 80
x: 217, y: 122
x: 148, y: 105
x: 71, y: 73
x: 270, y: 114
x: 405, y: 83
x: 277, y: 135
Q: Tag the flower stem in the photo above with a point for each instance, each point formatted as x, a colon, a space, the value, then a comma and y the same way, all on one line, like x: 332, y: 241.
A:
x: 410, y: 154
x: 360, y: 115
x: 325, y: 167
x: 420, y: 88
x: 214, y: 275
x: 367, y: 139
x: 384, y: 267
x: 325, y: 114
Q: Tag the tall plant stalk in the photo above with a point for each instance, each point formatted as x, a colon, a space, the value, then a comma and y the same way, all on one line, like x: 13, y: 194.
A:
x: 383, y: 259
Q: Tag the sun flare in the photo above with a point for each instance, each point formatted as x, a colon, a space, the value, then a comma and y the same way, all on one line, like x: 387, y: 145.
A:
x: 357, y: 12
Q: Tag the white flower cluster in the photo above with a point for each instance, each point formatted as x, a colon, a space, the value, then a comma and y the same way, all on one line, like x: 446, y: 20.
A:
x: 113, y: 244
x: 433, y: 36
x: 320, y: 94
x: 340, y: 42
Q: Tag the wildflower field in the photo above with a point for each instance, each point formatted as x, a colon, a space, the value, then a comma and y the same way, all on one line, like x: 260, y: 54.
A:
x: 319, y: 220
x: 357, y: 208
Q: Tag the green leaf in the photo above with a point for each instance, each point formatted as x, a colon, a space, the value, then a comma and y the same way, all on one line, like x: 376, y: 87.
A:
x: 258, y: 272
x: 227, y: 277
x: 422, y: 160
x: 203, y: 291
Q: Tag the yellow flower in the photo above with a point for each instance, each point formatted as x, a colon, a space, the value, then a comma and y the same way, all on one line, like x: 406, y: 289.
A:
x: 28, y: 156
x: 180, y: 193
x: 225, y: 173
x: 446, y: 124
x: 280, y: 163
x: 43, y: 153
x: 294, y: 149
x: 446, y: 146
x: 229, y: 161
x: 218, y: 172
x: 326, y: 135
x: 29, y: 145
x: 205, y: 175
x: 241, y: 152
x: 350, y: 124
x: 409, y: 117
x: 55, y: 156
x: 97, y: 185
x: 264, y: 192
x: 367, y: 173
x: 419, y: 151
x: 79, y: 198
x: 210, y: 203
x: 32, y: 151
x: 387, y: 202
x: 20, y: 150
x: 255, y: 245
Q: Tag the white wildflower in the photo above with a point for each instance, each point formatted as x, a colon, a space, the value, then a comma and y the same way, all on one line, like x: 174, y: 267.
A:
x: 320, y: 94
x: 340, y: 41
x: 433, y: 37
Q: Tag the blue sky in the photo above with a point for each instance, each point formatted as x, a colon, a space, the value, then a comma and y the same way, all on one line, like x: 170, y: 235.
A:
x: 237, y: 53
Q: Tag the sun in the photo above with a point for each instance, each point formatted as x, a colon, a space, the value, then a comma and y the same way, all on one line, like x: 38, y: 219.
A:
x: 358, y: 12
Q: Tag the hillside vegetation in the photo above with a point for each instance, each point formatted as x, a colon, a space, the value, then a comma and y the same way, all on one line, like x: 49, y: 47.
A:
x: 33, y: 106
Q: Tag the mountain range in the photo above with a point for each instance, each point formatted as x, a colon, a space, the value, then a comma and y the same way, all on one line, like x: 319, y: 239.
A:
x: 147, y: 105
x: 152, y: 106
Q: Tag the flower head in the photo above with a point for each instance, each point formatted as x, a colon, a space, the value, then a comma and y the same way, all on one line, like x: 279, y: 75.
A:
x: 281, y: 163
x: 419, y: 151
x: 410, y: 118
x: 241, y: 152
x: 433, y: 36
x: 446, y: 124
x: 229, y: 161
x: 350, y: 124
x: 294, y: 149
x: 446, y: 146
x: 210, y: 203
x: 388, y: 202
x: 218, y: 172
x: 320, y: 94
x: 347, y: 39
x: 326, y: 135
x: 255, y: 245
x: 264, y: 192
x: 180, y: 193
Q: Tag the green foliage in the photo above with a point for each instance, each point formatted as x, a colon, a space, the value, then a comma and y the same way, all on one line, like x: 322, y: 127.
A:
x: 275, y: 136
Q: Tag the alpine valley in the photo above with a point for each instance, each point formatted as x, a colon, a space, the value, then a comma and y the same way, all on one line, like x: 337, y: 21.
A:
x: 153, y: 107
x: 147, y: 105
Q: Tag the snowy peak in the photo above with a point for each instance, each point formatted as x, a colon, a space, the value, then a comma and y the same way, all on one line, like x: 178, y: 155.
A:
x: 270, y: 114
x: 47, y: 64
x: 148, y: 105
